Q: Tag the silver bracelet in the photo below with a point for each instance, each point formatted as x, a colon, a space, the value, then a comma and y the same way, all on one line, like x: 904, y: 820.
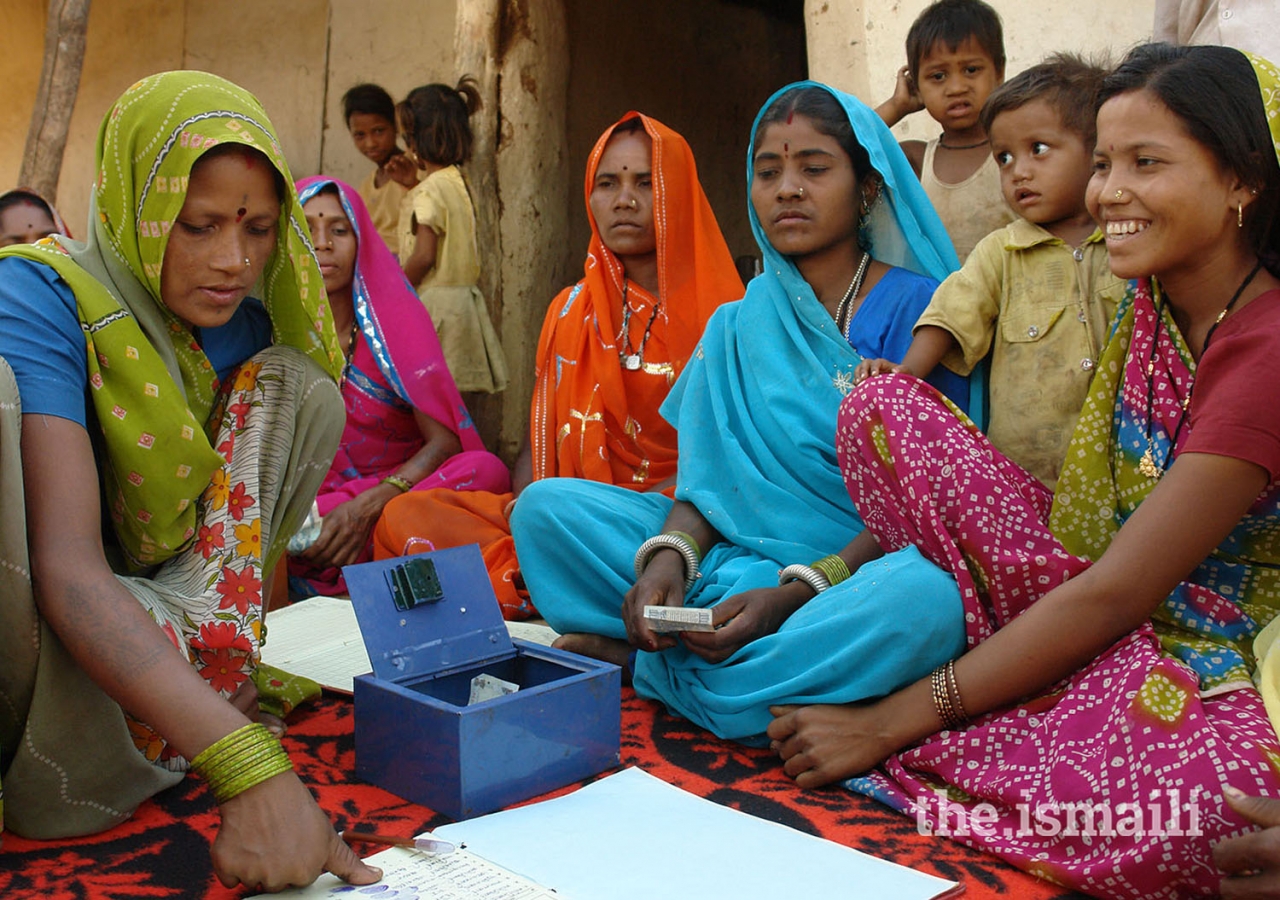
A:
x: 808, y: 574
x: 674, y: 542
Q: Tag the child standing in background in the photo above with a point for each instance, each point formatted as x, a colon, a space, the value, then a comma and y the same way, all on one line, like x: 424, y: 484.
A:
x: 437, y: 232
x: 1038, y: 294
x: 955, y: 58
x: 370, y: 114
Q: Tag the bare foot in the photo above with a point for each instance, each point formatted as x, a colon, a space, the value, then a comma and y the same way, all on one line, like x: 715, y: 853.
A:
x: 597, y: 646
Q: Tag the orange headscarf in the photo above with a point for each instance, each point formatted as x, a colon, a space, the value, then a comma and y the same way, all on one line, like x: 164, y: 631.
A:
x: 590, y: 418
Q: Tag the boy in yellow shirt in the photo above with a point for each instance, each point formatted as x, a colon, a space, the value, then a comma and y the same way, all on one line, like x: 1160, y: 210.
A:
x: 1038, y: 295
x: 370, y: 114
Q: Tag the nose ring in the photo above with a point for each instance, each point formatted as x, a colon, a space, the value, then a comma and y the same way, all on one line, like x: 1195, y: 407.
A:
x: 800, y: 192
x: 246, y: 262
x: 634, y: 205
x: 1119, y: 193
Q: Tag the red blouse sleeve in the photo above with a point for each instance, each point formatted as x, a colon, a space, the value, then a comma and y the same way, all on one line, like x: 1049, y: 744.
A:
x: 1235, y: 410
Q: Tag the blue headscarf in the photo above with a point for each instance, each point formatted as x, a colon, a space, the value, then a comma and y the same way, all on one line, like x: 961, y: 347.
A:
x: 756, y: 407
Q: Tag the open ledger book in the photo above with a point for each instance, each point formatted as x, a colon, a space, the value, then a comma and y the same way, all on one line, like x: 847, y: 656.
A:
x: 319, y: 638
x: 631, y: 836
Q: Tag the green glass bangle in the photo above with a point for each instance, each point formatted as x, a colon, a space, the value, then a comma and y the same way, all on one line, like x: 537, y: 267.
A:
x: 240, y: 760
x: 833, y: 567
x: 404, y: 484
x: 697, y: 551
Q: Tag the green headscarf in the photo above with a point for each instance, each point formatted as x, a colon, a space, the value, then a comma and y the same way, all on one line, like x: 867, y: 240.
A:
x: 153, y: 388
x: 1268, y: 76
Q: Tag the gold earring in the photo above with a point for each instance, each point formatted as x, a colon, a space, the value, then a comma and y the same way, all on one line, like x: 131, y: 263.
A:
x: 1239, y: 214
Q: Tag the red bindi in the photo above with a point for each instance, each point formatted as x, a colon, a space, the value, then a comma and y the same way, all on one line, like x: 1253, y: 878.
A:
x: 240, y: 213
x: 786, y: 148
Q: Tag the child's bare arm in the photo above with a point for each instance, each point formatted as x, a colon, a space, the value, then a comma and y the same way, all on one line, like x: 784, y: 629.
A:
x: 928, y: 346
x: 905, y: 100
x: 914, y: 152
x: 927, y: 349
x: 402, y: 170
x: 423, y: 257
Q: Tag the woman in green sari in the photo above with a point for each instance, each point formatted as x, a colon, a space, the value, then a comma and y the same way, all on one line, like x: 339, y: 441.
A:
x: 160, y: 438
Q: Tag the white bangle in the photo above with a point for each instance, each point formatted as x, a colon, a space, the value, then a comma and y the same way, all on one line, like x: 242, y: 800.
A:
x: 674, y: 542
x: 808, y: 574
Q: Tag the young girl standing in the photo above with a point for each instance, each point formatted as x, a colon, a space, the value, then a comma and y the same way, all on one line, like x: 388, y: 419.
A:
x: 437, y: 234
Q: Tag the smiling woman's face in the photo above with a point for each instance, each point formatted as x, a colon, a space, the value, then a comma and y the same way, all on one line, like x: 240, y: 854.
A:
x: 622, y: 196
x: 1165, y: 202
x: 222, y: 238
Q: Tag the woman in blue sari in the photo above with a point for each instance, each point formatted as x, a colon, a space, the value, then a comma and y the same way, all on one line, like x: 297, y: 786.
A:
x: 852, y: 252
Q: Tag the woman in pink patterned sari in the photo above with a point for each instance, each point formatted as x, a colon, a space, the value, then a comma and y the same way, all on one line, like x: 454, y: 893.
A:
x: 1105, y: 705
x: 407, y: 428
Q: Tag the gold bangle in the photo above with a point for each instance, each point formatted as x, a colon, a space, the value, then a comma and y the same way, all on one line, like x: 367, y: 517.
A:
x: 941, y: 702
x: 953, y: 692
x: 404, y: 484
x: 240, y: 760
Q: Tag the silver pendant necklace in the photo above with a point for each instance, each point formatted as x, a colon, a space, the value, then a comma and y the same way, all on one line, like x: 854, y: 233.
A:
x: 632, y: 361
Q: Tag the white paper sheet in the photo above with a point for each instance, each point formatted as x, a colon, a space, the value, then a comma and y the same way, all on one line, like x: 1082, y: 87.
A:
x: 632, y: 836
x: 318, y: 638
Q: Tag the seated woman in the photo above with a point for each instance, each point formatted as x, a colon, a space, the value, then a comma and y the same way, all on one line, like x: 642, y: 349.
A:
x: 407, y: 428
x: 25, y: 217
x: 1109, y: 641
x: 139, y: 385
x: 611, y: 347
x: 759, y: 488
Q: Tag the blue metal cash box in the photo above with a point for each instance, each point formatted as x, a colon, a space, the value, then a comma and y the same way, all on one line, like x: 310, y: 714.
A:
x: 431, y: 623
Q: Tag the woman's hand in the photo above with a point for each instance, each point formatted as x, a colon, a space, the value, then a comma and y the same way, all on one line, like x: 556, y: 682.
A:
x: 274, y: 836
x: 742, y: 618
x: 869, y: 367
x: 1252, y: 859
x: 822, y: 744
x: 345, y: 531
x: 662, y: 584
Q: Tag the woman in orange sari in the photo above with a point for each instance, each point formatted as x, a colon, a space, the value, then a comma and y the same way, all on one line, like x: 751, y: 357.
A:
x: 611, y: 347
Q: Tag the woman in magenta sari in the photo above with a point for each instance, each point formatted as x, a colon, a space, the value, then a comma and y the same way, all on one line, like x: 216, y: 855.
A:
x: 407, y: 428
x: 1102, y: 726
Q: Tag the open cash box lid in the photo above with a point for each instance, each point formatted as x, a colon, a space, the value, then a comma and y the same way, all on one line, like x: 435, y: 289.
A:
x: 423, y: 614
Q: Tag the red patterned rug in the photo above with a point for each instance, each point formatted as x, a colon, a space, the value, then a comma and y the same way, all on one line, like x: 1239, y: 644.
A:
x: 163, y: 852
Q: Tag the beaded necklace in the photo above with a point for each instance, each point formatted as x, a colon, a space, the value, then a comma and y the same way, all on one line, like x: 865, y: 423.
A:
x: 1148, y: 466
x: 846, y: 302
x: 632, y: 361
